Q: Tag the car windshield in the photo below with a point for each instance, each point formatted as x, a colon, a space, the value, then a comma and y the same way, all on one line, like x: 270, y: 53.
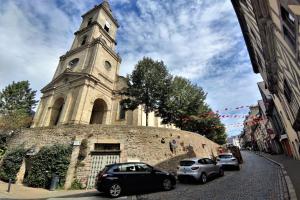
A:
x: 225, y: 156
x: 187, y: 163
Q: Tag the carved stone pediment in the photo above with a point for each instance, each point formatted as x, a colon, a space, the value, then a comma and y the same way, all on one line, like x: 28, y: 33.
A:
x: 62, y: 79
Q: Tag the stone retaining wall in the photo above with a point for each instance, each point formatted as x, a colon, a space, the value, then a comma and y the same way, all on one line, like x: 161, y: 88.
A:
x: 145, y: 144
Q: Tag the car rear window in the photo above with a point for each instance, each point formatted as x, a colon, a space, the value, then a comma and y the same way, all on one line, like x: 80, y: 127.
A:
x: 125, y: 168
x: 187, y: 163
x: 225, y: 156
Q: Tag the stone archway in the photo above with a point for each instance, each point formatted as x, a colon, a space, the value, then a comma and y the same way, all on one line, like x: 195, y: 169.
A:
x: 56, y: 111
x: 99, y: 111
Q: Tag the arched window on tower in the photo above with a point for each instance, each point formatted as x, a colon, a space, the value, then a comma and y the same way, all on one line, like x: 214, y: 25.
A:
x: 106, y: 26
x: 90, y: 21
x: 83, y: 40
x: 122, y: 112
x: 56, y: 111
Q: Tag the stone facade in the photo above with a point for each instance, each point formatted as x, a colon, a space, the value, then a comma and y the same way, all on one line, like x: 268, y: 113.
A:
x: 271, y: 32
x: 85, y: 87
x: 145, y: 144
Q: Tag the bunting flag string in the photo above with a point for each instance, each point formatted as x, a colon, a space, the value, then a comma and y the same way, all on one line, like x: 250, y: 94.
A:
x: 205, y: 114
x: 250, y: 120
x: 214, y: 115
x: 236, y: 108
x: 236, y: 125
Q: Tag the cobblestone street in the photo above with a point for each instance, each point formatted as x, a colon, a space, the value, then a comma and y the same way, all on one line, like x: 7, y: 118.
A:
x: 257, y: 179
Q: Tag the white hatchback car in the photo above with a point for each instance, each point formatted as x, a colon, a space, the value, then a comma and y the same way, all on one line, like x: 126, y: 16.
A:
x: 198, y: 169
x: 228, y: 160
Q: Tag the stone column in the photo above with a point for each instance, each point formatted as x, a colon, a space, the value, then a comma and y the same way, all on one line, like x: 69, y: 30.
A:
x: 46, y: 115
x: 37, y: 116
x: 80, y: 110
x: 66, y: 109
x: 72, y: 167
x: 21, y: 173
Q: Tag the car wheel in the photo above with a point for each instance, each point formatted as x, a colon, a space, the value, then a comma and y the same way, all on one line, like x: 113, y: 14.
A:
x: 167, y: 184
x: 115, y: 190
x: 203, y: 178
x: 221, y: 172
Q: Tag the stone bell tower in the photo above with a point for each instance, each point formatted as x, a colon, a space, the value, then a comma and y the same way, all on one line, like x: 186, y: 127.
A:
x: 82, y: 88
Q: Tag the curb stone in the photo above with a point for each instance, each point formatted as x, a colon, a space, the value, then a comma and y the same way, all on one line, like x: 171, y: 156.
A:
x: 291, y: 190
x: 134, y: 197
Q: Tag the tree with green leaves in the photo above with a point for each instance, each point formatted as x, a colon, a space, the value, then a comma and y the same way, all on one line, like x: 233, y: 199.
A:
x: 183, y: 100
x: 48, y: 161
x: 15, y: 121
x: 176, y: 100
x: 185, y: 107
x: 16, y: 103
x: 11, y: 164
x: 148, y: 85
x: 208, y: 125
x: 17, y: 96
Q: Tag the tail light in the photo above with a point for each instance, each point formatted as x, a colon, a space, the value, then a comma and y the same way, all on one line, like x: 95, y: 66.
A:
x: 101, y: 175
x: 195, y: 168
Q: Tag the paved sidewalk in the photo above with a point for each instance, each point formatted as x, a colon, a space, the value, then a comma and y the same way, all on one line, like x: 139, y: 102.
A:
x: 291, y: 166
x: 21, y: 192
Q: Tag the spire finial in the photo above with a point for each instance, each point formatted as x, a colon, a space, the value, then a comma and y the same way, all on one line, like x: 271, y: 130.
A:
x: 105, y: 3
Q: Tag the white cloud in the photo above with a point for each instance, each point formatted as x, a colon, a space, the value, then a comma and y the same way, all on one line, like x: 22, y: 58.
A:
x: 179, y: 33
x: 197, y: 39
x: 32, y: 39
x: 200, y: 40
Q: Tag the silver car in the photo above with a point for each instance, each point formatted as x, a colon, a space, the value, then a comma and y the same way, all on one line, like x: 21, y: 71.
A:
x: 228, y: 160
x: 198, y: 168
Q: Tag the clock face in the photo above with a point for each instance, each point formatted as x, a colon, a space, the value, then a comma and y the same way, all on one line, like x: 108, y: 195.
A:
x: 73, y: 62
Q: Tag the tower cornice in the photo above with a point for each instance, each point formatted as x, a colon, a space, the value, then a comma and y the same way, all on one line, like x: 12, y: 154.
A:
x: 81, y: 75
x: 106, y: 10
x: 101, y: 28
x: 96, y: 41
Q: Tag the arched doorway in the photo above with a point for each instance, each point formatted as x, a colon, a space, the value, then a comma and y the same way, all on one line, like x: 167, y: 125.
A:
x: 56, y: 111
x: 99, y: 112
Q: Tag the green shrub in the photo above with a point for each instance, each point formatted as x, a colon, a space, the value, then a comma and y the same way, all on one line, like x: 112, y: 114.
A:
x: 3, y: 140
x: 48, y: 161
x: 11, y: 164
x: 76, y: 185
x: 2, y: 152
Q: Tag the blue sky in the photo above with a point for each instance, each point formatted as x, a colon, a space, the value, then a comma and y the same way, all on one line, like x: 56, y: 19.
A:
x: 198, y: 39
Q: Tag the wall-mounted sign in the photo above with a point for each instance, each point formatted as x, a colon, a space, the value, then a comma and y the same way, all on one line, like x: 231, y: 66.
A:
x: 76, y: 143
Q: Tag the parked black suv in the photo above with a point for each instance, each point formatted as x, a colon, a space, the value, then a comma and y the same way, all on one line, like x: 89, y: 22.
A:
x: 117, y: 178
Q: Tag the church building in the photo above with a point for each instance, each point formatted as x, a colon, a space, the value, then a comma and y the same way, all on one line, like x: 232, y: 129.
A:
x: 86, y: 84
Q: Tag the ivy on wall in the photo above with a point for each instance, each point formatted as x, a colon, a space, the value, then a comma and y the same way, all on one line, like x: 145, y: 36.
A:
x: 3, y: 143
x: 48, y: 161
x: 11, y: 164
x: 76, y: 185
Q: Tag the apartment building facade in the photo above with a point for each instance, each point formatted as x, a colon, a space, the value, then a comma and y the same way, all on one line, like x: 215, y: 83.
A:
x: 271, y: 32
